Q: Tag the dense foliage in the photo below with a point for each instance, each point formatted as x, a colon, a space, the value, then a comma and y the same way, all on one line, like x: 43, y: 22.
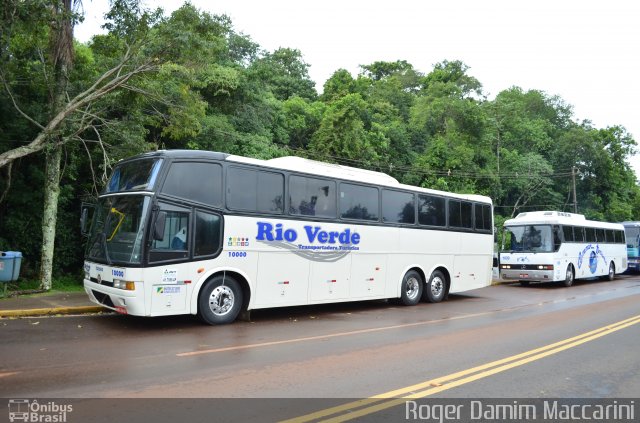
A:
x: 198, y: 83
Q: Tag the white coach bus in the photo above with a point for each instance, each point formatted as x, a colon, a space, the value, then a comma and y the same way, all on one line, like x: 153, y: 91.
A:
x: 550, y: 246
x: 179, y: 232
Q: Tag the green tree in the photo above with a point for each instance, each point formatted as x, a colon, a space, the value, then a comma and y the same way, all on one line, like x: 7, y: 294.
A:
x: 342, y: 132
x: 286, y: 74
x: 447, y: 125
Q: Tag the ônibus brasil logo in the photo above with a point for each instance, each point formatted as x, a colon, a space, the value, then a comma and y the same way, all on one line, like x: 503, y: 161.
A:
x: 24, y: 410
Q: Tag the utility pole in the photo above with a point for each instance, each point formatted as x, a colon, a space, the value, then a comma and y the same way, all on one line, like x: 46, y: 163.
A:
x: 575, y: 201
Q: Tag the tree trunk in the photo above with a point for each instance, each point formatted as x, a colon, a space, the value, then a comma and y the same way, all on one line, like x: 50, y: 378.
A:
x: 62, y: 57
x: 50, y: 214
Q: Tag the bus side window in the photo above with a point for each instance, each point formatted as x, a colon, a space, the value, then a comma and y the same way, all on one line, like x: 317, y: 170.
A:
x: 568, y: 233
x: 175, y: 232
x: 312, y: 197
x: 208, y: 234
x: 556, y: 238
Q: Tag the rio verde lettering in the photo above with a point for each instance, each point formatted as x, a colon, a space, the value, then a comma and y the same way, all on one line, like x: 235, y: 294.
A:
x: 277, y: 232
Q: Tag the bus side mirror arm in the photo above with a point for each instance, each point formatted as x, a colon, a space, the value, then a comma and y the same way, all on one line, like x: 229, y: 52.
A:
x: 158, y: 227
x: 84, y: 218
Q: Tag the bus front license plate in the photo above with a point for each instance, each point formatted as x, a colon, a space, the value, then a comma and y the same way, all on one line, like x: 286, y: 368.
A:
x: 524, y: 275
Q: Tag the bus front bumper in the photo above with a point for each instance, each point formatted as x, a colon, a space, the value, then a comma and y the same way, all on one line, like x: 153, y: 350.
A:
x: 633, y: 264
x: 527, y: 275
x: 119, y: 300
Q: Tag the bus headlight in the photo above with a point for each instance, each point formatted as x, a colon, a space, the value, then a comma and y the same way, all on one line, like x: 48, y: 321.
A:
x: 506, y: 266
x: 545, y: 267
x: 126, y: 285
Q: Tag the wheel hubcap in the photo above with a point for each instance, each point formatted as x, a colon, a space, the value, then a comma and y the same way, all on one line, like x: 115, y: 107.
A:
x: 221, y: 300
x: 437, y: 287
x: 413, y: 287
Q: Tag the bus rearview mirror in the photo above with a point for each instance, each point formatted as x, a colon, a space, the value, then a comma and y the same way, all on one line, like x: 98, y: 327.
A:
x: 84, y: 218
x: 158, y: 227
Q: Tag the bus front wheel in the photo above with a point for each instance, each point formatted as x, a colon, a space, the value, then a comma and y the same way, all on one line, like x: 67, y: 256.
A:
x: 436, y: 288
x: 411, y: 288
x: 220, y: 301
x: 569, y: 276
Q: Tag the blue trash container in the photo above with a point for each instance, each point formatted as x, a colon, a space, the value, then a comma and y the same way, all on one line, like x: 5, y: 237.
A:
x: 10, y: 265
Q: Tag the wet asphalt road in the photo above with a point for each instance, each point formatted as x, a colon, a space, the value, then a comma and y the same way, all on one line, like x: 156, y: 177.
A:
x: 353, y: 350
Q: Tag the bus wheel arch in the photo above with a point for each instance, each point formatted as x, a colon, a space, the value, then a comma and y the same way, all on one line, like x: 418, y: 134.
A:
x: 437, y: 286
x: 223, y: 286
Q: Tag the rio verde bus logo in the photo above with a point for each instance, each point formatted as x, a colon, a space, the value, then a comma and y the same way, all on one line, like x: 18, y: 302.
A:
x: 311, y: 234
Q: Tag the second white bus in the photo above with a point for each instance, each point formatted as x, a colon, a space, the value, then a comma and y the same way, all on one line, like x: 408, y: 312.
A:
x: 551, y: 246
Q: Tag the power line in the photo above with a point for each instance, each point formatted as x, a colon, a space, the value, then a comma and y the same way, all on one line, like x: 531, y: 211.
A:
x: 448, y: 173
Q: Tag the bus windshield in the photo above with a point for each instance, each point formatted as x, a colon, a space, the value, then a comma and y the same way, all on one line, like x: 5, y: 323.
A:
x: 633, y: 236
x: 117, y: 229
x: 529, y: 238
x: 134, y: 175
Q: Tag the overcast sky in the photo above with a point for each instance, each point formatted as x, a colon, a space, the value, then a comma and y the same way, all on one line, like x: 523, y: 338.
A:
x: 585, y: 51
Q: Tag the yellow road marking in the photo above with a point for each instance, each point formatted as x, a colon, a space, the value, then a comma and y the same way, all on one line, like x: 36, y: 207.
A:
x: 396, y: 397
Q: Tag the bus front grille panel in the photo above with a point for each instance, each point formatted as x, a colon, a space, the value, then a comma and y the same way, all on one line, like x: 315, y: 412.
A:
x: 103, y: 299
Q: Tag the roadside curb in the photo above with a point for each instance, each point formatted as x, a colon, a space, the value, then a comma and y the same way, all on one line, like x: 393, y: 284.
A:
x: 51, y: 311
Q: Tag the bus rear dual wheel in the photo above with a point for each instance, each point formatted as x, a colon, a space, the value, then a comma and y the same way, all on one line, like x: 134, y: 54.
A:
x: 611, y: 275
x: 414, y: 288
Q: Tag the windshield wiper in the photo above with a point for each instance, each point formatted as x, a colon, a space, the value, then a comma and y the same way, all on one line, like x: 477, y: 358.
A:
x: 106, y: 248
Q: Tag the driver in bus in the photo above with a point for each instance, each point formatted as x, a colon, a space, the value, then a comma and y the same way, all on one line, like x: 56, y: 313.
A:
x: 179, y: 241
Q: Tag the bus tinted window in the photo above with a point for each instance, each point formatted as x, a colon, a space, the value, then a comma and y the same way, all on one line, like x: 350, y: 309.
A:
x: 590, y: 235
x: 256, y: 191
x: 358, y: 202
x: 135, y: 175
x: 568, y: 233
x: 431, y: 210
x: 578, y: 233
x: 619, y: 237
x: 610, y: 236
x: 465, y: 215
x: 398, y: 207
x: 312, y: 197
x: 600, y: 235
x: 557, y: 242
x: 483, y: 217
x: 487, y: 217
x: 201, y: 182
x: 207, y: 236
x: 460, y: 214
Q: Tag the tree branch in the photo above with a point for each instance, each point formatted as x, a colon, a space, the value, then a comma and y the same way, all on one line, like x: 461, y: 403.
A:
x: 15, y: 105
x: 99, y: 89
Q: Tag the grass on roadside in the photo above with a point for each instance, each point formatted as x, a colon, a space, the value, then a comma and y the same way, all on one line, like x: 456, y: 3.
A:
x: 67, y: 283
